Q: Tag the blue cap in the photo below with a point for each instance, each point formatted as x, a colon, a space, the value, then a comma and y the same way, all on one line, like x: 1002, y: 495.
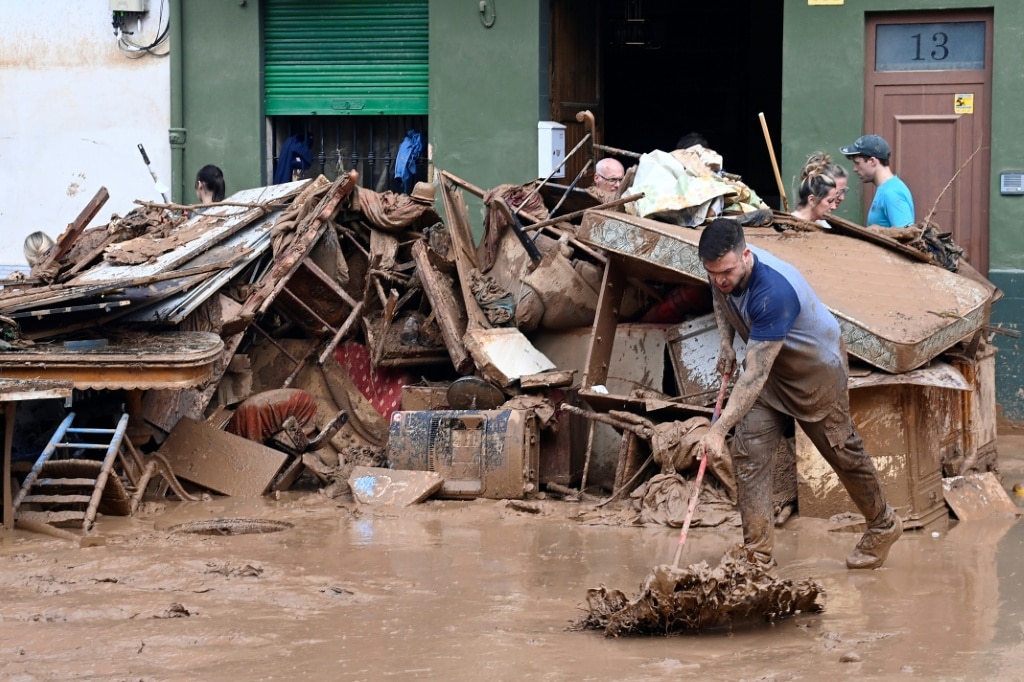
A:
x: 868, y: 145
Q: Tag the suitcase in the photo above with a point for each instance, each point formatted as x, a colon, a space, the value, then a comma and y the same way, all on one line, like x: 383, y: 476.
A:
x: 480, y: 453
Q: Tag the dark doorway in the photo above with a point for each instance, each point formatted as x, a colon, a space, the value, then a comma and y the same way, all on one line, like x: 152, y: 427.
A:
x: 670, y: 67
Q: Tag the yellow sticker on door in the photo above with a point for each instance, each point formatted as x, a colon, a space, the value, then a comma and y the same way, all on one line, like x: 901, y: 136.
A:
x: 963, y: 103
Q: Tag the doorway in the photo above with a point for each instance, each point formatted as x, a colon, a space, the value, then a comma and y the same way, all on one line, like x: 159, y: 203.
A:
x: 652, y: 71
x: 928, y: 84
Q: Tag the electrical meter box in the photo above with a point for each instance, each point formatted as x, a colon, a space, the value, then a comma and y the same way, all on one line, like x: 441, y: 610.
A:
x: 129, y: 5
x: 550, y: 148
x: 493, y: 454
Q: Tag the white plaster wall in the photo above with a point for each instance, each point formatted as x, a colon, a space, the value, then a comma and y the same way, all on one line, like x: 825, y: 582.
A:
x: 73, y: 109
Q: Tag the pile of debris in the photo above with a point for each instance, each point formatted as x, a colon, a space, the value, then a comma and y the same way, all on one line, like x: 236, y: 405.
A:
x: 300, y: 330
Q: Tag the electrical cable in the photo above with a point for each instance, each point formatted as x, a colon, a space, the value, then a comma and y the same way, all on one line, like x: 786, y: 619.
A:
x: 134, y: 50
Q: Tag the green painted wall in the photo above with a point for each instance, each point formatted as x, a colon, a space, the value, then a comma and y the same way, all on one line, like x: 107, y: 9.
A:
x: 217, y: 94
x: 823, y: 105
x: 486, y: 92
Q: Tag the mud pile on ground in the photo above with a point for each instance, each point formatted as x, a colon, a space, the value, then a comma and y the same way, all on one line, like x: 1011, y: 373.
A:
x: 672, y: 600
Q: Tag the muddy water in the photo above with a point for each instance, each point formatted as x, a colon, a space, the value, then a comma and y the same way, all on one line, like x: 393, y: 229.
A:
x: 476, y: 590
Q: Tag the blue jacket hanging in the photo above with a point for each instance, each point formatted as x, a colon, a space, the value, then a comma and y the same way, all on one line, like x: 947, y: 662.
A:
x: 405, y: 163
x: 295, y: 154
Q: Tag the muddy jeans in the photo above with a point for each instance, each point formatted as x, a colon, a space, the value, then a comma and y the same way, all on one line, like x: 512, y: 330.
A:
x: 836, y: 438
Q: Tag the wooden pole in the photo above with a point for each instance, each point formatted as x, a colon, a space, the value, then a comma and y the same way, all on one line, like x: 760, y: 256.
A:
x: 775, y: 164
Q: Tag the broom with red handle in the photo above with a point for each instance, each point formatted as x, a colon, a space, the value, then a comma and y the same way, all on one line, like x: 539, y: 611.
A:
x: 700, y: 475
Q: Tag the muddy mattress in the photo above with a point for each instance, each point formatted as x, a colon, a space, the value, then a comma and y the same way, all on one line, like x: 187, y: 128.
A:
x: 896, y: 313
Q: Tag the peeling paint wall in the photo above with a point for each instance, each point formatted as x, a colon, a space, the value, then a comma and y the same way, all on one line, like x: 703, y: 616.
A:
x: 74, y: 108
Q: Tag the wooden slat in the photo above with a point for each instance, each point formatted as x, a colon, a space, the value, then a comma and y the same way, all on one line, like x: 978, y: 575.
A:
x: 74, y: 229
x: 56, y: 499
x: 90, y: 482
x: 51, y: 517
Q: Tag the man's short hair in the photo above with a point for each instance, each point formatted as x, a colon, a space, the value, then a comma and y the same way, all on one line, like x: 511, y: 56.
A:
x: 720, y: 237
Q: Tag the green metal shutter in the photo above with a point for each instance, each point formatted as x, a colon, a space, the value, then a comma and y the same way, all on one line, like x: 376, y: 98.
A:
x: 355, y: 57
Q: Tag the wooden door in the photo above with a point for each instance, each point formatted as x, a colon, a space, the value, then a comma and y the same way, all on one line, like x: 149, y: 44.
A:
x: 575, y: 76
x: 928, y: 92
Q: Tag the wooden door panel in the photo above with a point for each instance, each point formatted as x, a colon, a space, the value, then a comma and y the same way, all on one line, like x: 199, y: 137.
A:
x: 929, y: 145
x: 927, y: 174
x: 575, y: 75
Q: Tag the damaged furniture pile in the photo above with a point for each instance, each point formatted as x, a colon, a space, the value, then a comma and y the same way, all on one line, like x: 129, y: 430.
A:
x: 365, y: 342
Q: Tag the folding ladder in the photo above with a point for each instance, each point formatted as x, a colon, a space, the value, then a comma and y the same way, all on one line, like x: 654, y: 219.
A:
x: 65, y: 491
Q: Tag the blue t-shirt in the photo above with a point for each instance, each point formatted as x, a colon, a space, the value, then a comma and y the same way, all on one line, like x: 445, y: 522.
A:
x: 779, y: 305
x: 892, y: 206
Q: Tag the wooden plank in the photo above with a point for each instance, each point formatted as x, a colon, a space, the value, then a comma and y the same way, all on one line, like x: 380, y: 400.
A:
x: 504, y: 354
x: 57, y: 499
x: 392, y: 487
x: 451, y: 317
x: 977, y: 496
x: 547, y: 379
x: 51, y: 517
x: 851, y: 229
x: 74, y: 230
x: 221, y: 461
x: 602, y: 337
x: 463, y: 251
x: 220, y: 223
x: 308, y: 232
x: 13, y: 390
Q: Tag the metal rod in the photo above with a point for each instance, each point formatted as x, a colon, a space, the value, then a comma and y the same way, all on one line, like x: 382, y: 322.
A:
x: 571, y: 187
x: 617, y: 151
x: 577, y: 214
x: 552, y: 173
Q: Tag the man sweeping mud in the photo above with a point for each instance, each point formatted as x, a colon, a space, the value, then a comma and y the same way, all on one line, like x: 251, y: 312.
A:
x: 795, y: 368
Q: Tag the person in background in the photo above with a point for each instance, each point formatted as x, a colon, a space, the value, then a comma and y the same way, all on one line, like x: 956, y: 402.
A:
x: 817, y: 193
x: 209, y: 184
x: 36, y: 246
x: 690, y: 139
x: 893, y: 205
x: 795, y: 368
x: 838, y: 173
x: 608, y: 175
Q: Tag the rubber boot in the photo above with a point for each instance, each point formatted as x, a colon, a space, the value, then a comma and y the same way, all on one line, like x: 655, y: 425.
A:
x: 874, y: 545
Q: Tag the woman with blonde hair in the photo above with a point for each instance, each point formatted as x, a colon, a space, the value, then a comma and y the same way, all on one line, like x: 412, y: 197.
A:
x: 838, y: 173
x: 36, y: 246
x: 817, y: 192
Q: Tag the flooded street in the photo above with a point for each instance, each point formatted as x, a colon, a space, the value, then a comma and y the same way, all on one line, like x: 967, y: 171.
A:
x: 479, y: 590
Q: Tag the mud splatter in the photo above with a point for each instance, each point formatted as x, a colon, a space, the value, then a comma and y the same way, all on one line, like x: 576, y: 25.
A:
x: 76, y: 185
x: 673, y: 600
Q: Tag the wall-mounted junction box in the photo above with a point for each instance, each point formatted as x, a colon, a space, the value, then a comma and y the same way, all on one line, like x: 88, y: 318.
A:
x: 129, y: 5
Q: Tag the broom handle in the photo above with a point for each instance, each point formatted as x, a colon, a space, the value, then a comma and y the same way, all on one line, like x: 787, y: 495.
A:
x: 775, y: 164
x: 700, y: 476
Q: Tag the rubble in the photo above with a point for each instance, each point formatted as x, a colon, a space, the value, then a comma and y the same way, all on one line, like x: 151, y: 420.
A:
x: 672, y: 600
x: 384, y: 314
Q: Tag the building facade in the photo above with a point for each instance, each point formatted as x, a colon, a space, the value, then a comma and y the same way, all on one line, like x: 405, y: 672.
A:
x: 940, y: 78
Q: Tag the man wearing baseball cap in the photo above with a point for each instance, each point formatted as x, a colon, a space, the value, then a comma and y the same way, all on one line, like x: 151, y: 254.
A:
x: 893, y: 206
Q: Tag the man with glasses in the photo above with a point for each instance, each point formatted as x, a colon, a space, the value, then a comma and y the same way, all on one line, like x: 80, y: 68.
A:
x: 608, y: 175
x: 893, y: 205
